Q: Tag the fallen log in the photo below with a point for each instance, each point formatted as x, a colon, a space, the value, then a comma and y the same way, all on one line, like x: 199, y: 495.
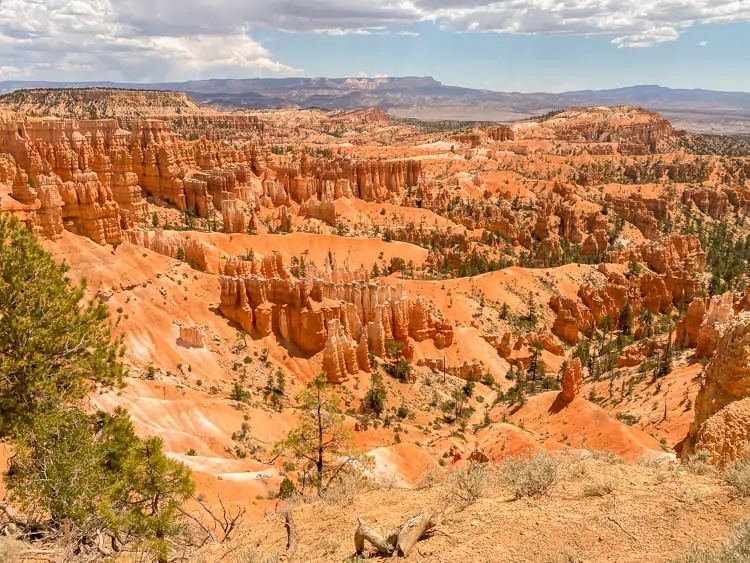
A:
x: 401, y: 539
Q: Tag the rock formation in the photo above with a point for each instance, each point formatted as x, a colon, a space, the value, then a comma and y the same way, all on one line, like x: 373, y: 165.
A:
x: 175, y: 245
x: 337, y: 311
x: 572, y: 380
x: 191, y: 337
x: 719, y: 313
x: 721, y: 425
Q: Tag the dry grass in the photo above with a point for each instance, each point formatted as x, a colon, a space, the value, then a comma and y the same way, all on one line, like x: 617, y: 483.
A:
x: 343, y: 490
x: 468, y: 484
x: 600, y: 486
x: 735, y: 550
x: 530, y: 477
x: 698, y: 463
x: 11, y: 549
x: 737, y: 474
x: 644, y: 520
x: 250, y: 555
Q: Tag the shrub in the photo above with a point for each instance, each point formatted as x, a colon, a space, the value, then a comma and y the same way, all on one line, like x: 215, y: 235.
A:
x: 401, y: 371
x: 734, y: 550
x: 600, y: 486
x: 627, y: 418
x: 530, y: 477
x: 737, y: 475
x: 342, y: 491
x: 239, y: 394
x: 698, y: 463
x: 468, y: 484
x: 287, y: 489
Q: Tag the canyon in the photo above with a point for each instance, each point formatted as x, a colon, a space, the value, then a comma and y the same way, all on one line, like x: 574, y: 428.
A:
x: 579, y: 280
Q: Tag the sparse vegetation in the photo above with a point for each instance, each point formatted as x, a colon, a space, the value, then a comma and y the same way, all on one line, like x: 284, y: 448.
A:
x: 532, y: 476
x: 468, y: 484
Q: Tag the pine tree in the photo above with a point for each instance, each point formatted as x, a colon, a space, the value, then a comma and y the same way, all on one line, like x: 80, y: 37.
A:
x: 52, y: 349
x: 85, y: 472
x: 318, y: 442
x: 376, y: 396
x: 625, y: 323
x: 148, y: 498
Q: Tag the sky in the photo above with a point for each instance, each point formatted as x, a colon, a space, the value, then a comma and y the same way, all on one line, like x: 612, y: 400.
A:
x: 505, y: 45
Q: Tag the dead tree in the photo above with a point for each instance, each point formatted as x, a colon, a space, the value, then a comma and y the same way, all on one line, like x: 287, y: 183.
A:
x: 401, y: 539
x: 292, y: 536
x: 222, y: 526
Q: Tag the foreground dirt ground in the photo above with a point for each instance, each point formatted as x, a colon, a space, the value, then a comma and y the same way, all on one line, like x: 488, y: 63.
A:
x: 651, y: 514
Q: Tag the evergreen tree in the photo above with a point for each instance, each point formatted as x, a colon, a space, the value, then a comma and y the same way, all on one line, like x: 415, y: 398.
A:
x: 147, y: 499
x: 625, y: 323
x: 56, y: 469
x: 52, y: 349
x: 86, y: 472
x: 375, y: 397
x: 318, y: 442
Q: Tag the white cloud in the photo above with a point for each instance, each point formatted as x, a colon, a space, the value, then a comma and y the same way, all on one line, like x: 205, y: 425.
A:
x: 180, y: 39
x: 628, y: 23
x: 86, y: 39
x: 702, y: 43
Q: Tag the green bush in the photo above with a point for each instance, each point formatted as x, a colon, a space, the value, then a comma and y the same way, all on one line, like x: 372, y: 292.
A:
x: 287, y: 489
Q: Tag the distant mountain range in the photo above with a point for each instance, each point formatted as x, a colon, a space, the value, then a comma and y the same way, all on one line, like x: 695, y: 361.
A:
x: 706, y: 111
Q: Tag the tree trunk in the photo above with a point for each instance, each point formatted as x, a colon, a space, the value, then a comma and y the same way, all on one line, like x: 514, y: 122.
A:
x: 401, y: 539
x: 292, y: 535
x: 365, y: 533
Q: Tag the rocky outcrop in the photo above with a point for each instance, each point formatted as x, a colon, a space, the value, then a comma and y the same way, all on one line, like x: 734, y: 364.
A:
x: 644, y: 213
x: 175, y: 245
x: 339, y: 354
x: 721, y: 425
x: 82, y: 205
x: 635, y: 354
x: 371, y: 180
x: 469, y: 369
x: 323, y: 209
x: 709, y: 200
x: 150, y: 159
x: 232, y: 215
x: 572, y: 380
x: 336, y: 311
x: 679, y: 263
x: 719, y: 313
x: 689, y: 326
x: 572, y: 319
x: 191, y: 337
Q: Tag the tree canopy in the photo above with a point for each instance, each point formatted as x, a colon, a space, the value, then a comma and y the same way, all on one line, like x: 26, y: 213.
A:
x: 51, y: 348
x: 73, y: 467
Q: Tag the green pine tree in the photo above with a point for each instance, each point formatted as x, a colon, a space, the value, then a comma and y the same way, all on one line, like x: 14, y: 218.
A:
x: 52, y: 349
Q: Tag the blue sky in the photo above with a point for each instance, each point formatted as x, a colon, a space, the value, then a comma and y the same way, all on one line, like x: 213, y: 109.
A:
x: 714, y: 56
x: 508, y: 45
